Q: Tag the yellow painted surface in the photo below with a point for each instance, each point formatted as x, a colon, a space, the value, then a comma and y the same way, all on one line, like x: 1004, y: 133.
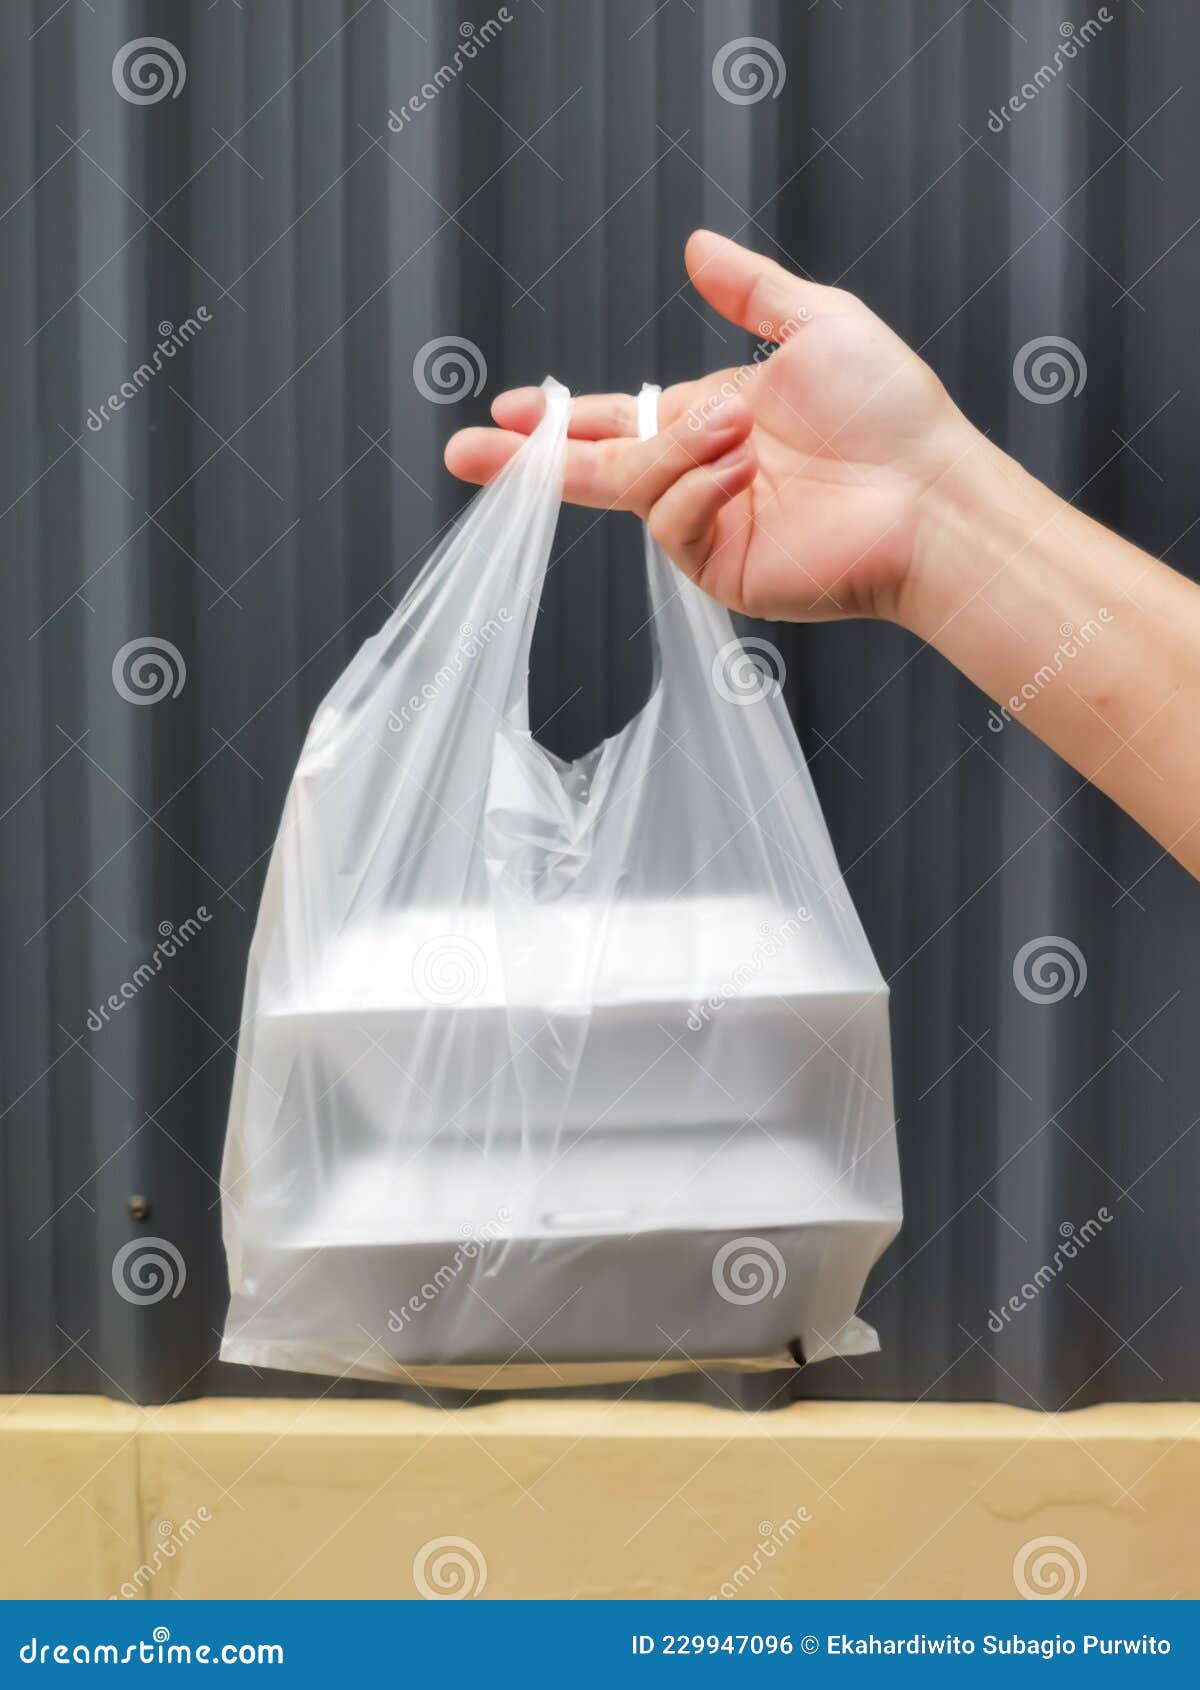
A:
x: 300, y: 1499
x: 69, y: 1482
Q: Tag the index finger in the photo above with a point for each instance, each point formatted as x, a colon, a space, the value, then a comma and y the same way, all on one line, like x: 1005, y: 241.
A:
x: 609, y: 416
x: 620, y: 472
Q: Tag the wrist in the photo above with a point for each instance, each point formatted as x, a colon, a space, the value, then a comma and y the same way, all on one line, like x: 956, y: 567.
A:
x: 978, y: 518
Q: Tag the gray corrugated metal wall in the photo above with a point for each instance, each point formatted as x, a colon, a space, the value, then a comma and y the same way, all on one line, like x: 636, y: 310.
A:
x: 261, y: 503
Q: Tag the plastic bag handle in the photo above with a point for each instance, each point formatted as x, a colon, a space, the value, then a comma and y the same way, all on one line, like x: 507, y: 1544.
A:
x: 665, y: 582
x: 692, y: 631
x: 647, y: 411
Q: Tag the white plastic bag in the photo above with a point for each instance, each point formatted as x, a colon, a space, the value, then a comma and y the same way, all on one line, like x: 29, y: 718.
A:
x: 553, y: 1072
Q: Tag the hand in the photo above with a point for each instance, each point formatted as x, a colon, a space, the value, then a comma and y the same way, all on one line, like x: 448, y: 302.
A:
x: 791, y: 488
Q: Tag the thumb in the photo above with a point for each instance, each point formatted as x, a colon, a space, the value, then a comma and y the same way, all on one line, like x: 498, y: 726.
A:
x: 751, y: 290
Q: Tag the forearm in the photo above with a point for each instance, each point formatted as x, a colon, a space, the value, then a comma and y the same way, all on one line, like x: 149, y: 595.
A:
x: 1090, y: 643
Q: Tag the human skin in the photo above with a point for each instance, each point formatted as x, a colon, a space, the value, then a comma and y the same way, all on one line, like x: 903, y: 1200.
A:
x: 837, y: 478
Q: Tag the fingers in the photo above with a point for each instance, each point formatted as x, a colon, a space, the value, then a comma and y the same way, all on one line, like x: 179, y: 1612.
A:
x: 684, y: 519
x: 595, y: 416
x: 634, y: 475
x: 479, y: 454
x: 614, y: 473
x: 751, y: 290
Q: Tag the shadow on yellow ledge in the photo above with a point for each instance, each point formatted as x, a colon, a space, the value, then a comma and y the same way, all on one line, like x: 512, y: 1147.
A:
x: 227, y: 1498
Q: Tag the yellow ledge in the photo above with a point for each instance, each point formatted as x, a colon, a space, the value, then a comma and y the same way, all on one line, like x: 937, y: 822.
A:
x: 300, y: 1499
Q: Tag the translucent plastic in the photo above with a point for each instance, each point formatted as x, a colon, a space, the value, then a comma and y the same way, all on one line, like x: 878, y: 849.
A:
x: 552, y: 1072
